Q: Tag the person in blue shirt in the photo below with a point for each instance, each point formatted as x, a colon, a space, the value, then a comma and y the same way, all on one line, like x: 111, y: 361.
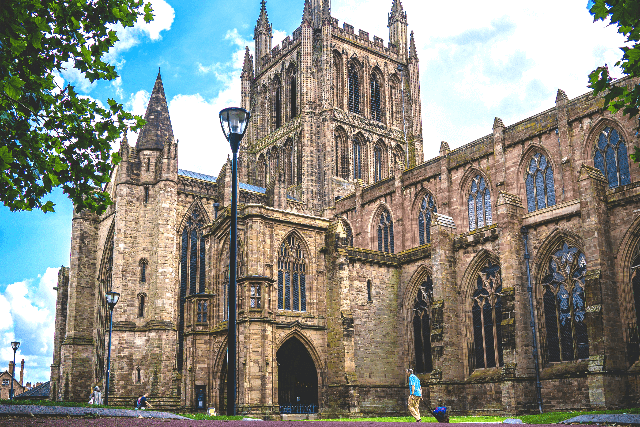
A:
x: 415, y: 395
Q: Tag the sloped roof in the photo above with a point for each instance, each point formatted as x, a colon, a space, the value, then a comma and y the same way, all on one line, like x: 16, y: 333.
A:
x: 158, y: 129
x: 40, y: 392
x: 209, y: 178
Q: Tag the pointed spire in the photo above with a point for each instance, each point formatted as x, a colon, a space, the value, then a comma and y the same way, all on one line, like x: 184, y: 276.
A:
x: 396, y: 6
x: 397, y: 12
x: 326, y: 10
x: 307, y: 14
x: 158, y: 128
x: 263, y: 19
x: 247, y: 67
x: 413, y: 52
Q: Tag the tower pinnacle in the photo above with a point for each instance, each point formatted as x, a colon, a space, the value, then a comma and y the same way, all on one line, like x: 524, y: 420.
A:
x: 158, y: 128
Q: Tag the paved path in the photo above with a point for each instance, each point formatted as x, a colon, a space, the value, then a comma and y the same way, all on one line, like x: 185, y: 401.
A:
x: 69, y: 411
x: 136, y: 422
x: 605, y: 419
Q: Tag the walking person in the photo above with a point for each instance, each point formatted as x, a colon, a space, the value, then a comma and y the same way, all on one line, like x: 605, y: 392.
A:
x: 415, y: 395
x: 96, y: 397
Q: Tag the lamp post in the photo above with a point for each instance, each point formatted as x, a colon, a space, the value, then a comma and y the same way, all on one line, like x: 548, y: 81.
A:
x: 15, y: 345
x: 112, y: 300
x: 234, y: 124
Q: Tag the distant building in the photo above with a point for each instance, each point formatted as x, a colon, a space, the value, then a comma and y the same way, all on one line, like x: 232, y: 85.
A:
x: 356, y: 257
x: 40, y: 391
x: 5, y: 381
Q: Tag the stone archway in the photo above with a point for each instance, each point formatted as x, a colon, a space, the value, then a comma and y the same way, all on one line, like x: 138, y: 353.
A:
x: 297, y: 378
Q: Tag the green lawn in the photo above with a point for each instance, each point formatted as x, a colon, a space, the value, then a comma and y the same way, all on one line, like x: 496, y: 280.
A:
x: 546, y: 418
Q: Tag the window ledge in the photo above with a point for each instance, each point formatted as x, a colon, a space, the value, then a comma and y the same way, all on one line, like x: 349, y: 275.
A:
x: 569, y: 369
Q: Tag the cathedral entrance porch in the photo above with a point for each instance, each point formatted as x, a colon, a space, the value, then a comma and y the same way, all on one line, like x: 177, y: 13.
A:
x: 297, y: 379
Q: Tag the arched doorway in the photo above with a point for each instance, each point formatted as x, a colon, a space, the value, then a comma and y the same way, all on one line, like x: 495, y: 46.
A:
x: 297, y: 379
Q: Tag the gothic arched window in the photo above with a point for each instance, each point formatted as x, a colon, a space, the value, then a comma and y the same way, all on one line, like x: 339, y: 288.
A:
x: 479, y: 204
x: 354, y: 90
x: 422, y: 327
x: 293, y: 95
x: 487, y: 318
x: 564, y: 306
x: 292, y: 273
x: 359, y: 159
x: 378, y: 163
x: 375, y: 99
x: 192, y: 268
x: 262, y: 171
x: 342, y: 156
x: 143, y: 270
x: 541, y: 191
x: 610, y: 156
x: 141, y: 303
x: 385, y: 232
x: 277, y: 105
x: 427, y: 208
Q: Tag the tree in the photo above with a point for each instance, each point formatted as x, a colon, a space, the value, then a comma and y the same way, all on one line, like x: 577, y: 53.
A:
x: 625, y: 14
x: 50, y: 135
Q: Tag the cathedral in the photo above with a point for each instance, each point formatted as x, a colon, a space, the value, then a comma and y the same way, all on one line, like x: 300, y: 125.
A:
x: 505, y: 272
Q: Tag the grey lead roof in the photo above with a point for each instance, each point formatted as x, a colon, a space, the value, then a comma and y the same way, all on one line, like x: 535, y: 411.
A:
x: 209, y: 178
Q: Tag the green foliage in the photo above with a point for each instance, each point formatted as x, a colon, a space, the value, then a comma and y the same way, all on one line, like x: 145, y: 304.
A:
x: 625, y: 14
x: 50, y: 136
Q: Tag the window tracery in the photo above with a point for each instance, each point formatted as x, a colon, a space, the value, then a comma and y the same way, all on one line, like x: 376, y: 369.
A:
x: 385, y: 232
x: 359, y: 158
x: 375, y: 99
x: 541, y: 191
x: 487, y: 317
x: 610, y: 156
x: 422, y: 327
x: 378, y: 163
x: 427, y: 208
x: 354, y: 90
x: 564, y: 306
x: 292, y: 270
x: 342, y: 155
x: 479, y: 204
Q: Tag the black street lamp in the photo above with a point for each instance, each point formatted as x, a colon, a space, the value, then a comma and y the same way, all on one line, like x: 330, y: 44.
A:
x: 112, y: 300
x: 15, y: 345
x: 234, y: 124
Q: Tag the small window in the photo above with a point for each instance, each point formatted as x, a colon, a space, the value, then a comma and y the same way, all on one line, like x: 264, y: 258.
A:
x: 148, y: 164
x: 256, y: 296
x: 143, y: 270
x: 202, y: 311
x: 141, y: 302
x: 146, y: 195
x: 5, y: 382
x: 138, y: 376
x: 369, y: 291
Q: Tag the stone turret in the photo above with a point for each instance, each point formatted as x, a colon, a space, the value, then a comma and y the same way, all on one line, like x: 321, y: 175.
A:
x: 398, y: 27
x: 247, y: 78
x: 262, y: 35
x: 320, y: 10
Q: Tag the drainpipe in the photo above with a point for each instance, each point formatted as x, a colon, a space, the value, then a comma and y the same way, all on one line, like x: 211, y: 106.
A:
x: 525, y: 237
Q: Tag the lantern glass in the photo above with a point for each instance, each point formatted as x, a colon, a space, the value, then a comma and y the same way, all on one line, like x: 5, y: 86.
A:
x: 112, y: 298
x: 234, y: 121
x: 15, y: 345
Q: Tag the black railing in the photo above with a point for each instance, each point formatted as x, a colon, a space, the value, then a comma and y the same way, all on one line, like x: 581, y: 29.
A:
x: 298, y: 409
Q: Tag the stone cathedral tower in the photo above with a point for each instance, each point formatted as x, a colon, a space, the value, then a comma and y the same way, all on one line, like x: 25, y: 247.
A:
x: 356, y: 258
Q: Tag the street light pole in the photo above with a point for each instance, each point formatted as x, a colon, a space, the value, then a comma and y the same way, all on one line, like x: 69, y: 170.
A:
x: 234, y: 124
x: 15, y: 345
x: 112, y: 300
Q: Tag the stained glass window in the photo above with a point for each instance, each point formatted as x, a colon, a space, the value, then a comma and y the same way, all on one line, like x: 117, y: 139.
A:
x: 385, y: 232
x: 564, y: 306
x: 354, y: 90
x: 610, y: 156
x: 292, y: 270
x: 541, y: 192
x: 375, y: 99
x: 479, y: 204
x: 487, y: 317
x: 427, y: 208
x: 422, y: 327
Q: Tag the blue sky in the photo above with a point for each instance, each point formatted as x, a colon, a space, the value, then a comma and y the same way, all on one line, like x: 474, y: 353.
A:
x: 478, y: 60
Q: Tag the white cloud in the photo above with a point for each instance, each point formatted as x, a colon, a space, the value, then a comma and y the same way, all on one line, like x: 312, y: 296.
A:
x: 27, y: 315
x: 132, y: 36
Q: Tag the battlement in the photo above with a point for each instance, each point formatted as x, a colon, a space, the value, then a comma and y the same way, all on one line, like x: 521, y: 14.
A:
x: 282, y: 49
x: 362, y: 38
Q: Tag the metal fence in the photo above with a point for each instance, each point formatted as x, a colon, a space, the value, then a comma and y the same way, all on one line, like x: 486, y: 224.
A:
x: 298, y: 409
